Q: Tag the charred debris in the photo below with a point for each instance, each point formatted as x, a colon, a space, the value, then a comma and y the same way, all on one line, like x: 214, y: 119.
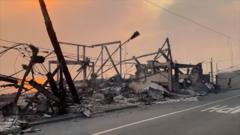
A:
x: 159, y: 80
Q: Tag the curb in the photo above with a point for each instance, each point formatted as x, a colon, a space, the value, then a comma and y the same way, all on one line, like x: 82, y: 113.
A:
x: 73, y: 116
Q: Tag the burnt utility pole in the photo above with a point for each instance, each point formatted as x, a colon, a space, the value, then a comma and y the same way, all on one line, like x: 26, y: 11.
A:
x: 211, y: 72
x: 58, y: 51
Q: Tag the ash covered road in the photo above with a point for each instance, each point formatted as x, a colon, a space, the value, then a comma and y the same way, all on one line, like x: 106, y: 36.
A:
x: 213, y: 115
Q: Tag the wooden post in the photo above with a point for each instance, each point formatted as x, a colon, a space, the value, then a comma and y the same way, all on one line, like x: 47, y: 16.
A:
x: 170, y: 80
x: 58, y: 51
x: 211, y: 64
x: 102, y: 62
x: 85, y: 67
x: 120, y: 59
x: 176, y: 80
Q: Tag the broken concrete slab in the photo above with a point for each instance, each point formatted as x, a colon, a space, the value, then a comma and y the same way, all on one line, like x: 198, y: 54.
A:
x: 156, y: 86
x: 139, y: 84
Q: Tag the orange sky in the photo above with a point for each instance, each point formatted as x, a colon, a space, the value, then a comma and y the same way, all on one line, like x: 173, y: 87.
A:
x: 97, y: 21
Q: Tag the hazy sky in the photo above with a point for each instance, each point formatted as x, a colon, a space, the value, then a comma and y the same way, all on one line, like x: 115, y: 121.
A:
x: 97, y: 21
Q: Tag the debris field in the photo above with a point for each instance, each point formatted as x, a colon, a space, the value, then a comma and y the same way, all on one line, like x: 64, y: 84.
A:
x: 159, y: 80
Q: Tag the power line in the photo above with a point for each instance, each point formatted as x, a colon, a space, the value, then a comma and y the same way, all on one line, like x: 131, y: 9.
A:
x: 67, y: 54
x: 187, y: 19
x: 229, y: 38
x: 8, y: 41
x: 18, y: 43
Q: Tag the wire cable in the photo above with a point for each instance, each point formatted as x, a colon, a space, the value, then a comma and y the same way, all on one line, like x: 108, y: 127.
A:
x: 188, y: 19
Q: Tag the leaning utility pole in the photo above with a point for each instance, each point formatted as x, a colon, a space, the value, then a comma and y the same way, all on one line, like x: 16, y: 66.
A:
x: 58, y: 51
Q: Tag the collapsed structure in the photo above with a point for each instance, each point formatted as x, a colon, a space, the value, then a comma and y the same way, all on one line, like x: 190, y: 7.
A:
x: 160, y: 78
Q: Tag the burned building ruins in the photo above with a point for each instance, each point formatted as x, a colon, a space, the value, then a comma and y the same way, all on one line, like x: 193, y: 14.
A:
x: 160, y: 78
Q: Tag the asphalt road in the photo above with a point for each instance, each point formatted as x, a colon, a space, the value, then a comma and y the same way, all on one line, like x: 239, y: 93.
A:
x: 213, y: 115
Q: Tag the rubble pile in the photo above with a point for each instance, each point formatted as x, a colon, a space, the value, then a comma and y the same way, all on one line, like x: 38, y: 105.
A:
x: 14, y: 125
x: 153, y: 83
x: 158, y: 81
x: 9, y: 125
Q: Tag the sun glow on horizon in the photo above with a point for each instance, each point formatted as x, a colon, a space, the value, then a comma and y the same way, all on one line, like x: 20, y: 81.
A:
x: 31, y: 4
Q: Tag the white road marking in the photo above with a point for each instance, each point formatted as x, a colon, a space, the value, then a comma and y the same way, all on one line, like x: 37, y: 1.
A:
x: 161, y: 116
x: 223, y: 109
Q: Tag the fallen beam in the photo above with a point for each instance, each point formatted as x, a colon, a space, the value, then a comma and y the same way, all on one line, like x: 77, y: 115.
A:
x: 8, y: 79
x: 58, y: 51
x: 44, y: 91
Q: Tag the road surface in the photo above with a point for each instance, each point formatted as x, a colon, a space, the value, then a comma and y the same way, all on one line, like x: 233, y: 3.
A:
x: 215, y: 114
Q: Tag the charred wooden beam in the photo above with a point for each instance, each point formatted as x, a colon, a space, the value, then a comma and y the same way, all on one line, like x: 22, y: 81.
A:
x: 166, y: 53
x: 165, y: 56
x: 176, y: 76
x: 62, y: 94
x: 58, y: 51
x: 44, y: 91
x: 135, y: 57
x: 36, y: 95
x: 112, y: 61
x: 8, y: 79
x: 169, y: 50
x: 184, y: 65
x: 68, y: 62
x: 28, y: 70
x: 170, y: 76
x: 53, y: 84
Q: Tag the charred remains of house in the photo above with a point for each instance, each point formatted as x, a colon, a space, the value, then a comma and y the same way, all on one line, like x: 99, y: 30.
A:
x: 159, y: 79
